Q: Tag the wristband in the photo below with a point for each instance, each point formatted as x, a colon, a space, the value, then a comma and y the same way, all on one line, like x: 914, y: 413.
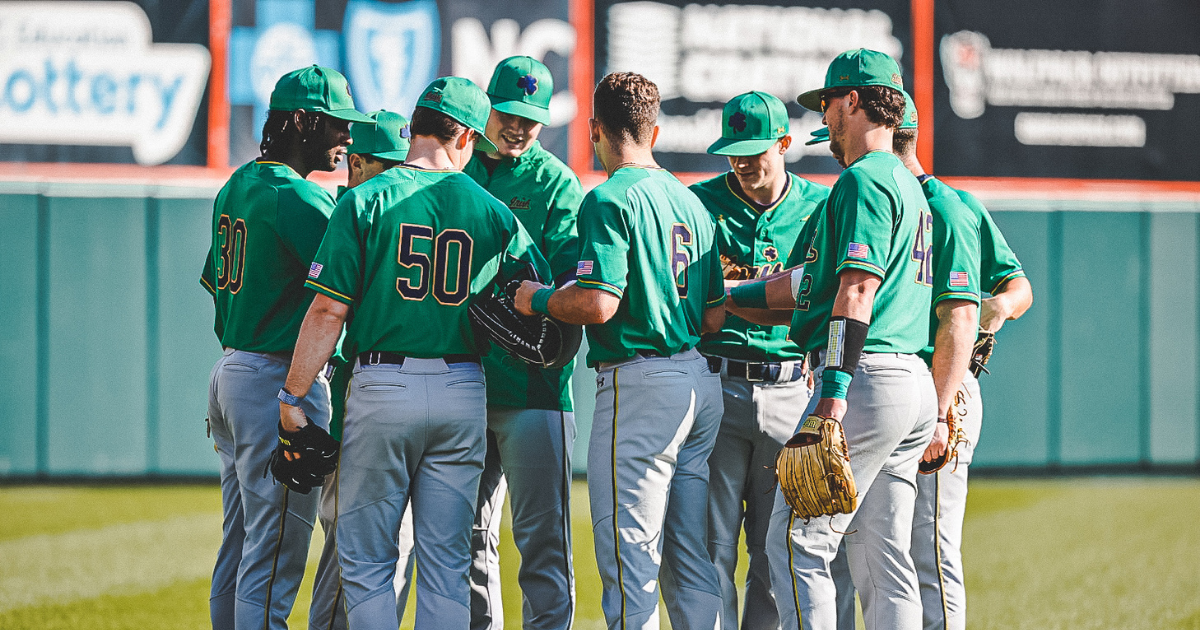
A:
x: 846, y: 340
x: 943, y: 421
x: 752, y: 295
x: 835, y: 384
x: 288, y: 398
x: 541, y: 300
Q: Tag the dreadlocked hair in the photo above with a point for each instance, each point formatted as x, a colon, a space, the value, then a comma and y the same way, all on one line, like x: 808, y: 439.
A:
x: 278, y: 131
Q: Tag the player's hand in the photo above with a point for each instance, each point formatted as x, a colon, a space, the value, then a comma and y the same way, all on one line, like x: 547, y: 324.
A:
x: 831, y: 408
x: 941, y: 439
x: 292, y: 419
x: 523, y: 300
x: 991, y: 318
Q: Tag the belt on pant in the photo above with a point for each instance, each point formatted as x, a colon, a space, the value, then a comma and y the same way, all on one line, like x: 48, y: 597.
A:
x: 755, y: 372
x: 641, y: 354
x: 392, y: 358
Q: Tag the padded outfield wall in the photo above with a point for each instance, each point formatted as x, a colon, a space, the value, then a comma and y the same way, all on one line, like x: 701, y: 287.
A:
x: 107, y: 340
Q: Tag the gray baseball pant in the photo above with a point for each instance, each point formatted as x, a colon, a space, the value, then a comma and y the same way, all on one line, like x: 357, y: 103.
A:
x: 759, y: 418
x: 655, y: 425
x: 413, y: 431
x: 940, y: 507
x: 892, y: 411
x: 267, y: 527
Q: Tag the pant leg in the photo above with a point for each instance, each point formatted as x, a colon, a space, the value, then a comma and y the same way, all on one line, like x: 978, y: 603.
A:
x: 229, y: 556
x: 445, y: 489
x: 693, y: 594
x: 884, y: 406
x: 277, y: 522
x: 535, y: 448
x: 839, y: 569
x: 328, y: 610
x: 940, y: 508
x: 487, y: 605
x: 729, y: 469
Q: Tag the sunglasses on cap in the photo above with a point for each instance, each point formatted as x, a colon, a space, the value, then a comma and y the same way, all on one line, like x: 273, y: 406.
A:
x: 829, y: 95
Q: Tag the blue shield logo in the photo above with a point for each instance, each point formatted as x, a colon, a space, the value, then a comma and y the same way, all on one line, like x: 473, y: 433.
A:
x: 392, y: 52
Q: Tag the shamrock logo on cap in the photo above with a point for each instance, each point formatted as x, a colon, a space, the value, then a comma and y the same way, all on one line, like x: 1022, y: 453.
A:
x: 738, y: 122
x: 529, y: 83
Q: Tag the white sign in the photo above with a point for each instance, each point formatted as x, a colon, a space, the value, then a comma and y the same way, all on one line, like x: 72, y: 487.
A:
x: 87, y: 73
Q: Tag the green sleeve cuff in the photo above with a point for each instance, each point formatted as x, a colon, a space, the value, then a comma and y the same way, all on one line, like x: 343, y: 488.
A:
x: 835, y: 383
x: 753, y: 295
x: 540, y: 300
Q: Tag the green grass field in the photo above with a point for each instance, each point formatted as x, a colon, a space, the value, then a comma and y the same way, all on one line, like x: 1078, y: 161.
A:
x: 1041, y: 554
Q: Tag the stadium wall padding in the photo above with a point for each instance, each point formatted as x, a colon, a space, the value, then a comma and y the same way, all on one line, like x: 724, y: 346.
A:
x: 107, y: 341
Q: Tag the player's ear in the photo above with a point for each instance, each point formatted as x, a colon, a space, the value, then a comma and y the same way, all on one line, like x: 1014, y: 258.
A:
x: 654, y: 136
x: 594, y: 130
x: 784, y: 143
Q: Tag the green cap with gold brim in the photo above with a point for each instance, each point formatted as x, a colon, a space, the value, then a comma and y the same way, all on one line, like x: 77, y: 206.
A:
x: 751, y: 123
x: 386, y: 140
x: 463, y: 101
x: 522, y: 86
x: 853, y: 69
x: 316, y: 89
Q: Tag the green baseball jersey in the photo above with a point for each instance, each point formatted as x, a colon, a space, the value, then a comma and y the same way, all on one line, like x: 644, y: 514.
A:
x: 953, y: 252
x: 267, y: 224
x: 408, y: 250
x: 877, y: 220
x: 998, y: 264
x: 649, y: 241
x: 762, y: 239
x: 544, y: 194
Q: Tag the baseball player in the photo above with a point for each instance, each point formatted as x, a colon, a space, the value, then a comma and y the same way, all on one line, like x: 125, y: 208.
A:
x: 409, y: 250
x: 759, y: 209
x: 648, y: 284
x: 373, y: 150
x: 861, y: 305
x: 267, y: 223
x: 531, y: 425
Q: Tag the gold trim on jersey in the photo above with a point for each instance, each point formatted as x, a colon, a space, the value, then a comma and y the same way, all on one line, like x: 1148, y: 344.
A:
x: 1019, y: 273
x: 750, y: 204
x: 208, y: 287
x: 602, y: 285
x: 862, y: 264
x: 956, y: 295
x: 312, y: 284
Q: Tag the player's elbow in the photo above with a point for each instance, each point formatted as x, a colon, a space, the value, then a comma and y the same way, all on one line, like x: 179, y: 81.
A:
x: 604, y: 306
x: 713, y: 320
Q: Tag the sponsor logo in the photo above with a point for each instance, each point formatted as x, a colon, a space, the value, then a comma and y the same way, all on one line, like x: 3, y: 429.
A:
x: 518, y: 203
x: 392, y: 51
x: 432, y: 96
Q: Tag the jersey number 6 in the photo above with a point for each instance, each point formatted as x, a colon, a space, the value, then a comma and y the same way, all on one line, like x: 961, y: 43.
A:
x: 449, y: 267
x: 681, y: 239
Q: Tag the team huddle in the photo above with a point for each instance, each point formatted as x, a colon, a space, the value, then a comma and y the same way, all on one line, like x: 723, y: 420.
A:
x: 772, y: 356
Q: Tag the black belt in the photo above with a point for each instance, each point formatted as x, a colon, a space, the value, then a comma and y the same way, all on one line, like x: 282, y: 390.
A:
x: 392, y: 358
x: 754, y: 372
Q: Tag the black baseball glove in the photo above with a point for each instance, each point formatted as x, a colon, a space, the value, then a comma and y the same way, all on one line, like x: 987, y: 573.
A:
x: 318, y: 456
x: 538, y: 339
x: 984, y: 345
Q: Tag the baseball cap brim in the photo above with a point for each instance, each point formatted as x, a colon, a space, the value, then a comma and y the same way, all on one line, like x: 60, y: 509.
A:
x: 351, y: 115
x: 811, y: 99
x: 518, y: 108
x: 818, y: 136
x: 394, y: 156
x: 741, y: 148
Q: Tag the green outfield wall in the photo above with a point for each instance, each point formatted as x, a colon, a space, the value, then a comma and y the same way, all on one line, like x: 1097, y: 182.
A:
x: 107, y: 343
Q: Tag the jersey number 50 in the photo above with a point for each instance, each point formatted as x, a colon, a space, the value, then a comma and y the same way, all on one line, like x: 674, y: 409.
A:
x: 449, y: 268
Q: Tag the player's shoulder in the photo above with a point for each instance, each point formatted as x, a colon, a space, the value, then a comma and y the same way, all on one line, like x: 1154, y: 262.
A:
x: 808, y: 188
x: 712, y: 185
x: 291, y: 190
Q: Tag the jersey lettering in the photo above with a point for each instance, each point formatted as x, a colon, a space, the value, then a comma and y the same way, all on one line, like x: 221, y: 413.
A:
x: 681, y: 240
x: 232, y: 253
x: 449, y: 272
x: 923, y: 249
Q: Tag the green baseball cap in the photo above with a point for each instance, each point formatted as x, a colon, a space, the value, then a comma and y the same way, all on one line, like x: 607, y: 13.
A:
x: 856, y: 68
x: 751, y: 123
x: 463, y: 101
x: 386, y: 140
x: 316, y: 89
x: 819, y: 135
x: 522, y: 86
x: 910, y: 113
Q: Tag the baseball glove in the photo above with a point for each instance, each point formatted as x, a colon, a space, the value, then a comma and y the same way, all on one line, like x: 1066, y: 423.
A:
x: 539, y: 340
x: 734, y: 271
x: 318, y: 456
x: 813, y: 470
x: 984, y: 345
x: 951, y: 452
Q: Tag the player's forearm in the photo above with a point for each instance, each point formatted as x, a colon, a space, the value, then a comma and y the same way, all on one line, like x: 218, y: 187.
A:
x: 712, y: 320
x: 952, y: 348
x: 1014, y: 298
x: 318, y: 337
x: 761, y: 316
x: 574, y: 304
x: 772, y: 292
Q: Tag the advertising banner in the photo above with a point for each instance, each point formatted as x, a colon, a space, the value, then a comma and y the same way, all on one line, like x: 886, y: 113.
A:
x: 389, y: 51
x: 1074, y: 88
x: 702, y: 55
x: 103, y: 81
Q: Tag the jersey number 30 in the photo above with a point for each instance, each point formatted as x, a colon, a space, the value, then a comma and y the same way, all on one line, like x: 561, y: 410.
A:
x: 448, y: 270
x: 233, y: 253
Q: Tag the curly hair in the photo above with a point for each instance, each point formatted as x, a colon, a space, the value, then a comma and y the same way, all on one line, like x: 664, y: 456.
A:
x: 883, y: 105
x: 626, y: 105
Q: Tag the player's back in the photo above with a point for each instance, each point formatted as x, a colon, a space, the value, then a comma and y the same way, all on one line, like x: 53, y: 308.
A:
x: 430, y: 241
x: 652, y: 244
x: 267, y: 224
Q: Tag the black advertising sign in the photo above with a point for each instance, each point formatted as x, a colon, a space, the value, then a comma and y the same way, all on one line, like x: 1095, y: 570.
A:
x: 702, y: 55
x: 1073, y: 88
x: 390, y: 50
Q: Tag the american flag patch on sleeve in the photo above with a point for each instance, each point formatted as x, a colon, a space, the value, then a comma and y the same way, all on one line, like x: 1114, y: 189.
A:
x: 315, y: 270
x: 958, y: 279
x: 858, y: 250
x: 585, y: 268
